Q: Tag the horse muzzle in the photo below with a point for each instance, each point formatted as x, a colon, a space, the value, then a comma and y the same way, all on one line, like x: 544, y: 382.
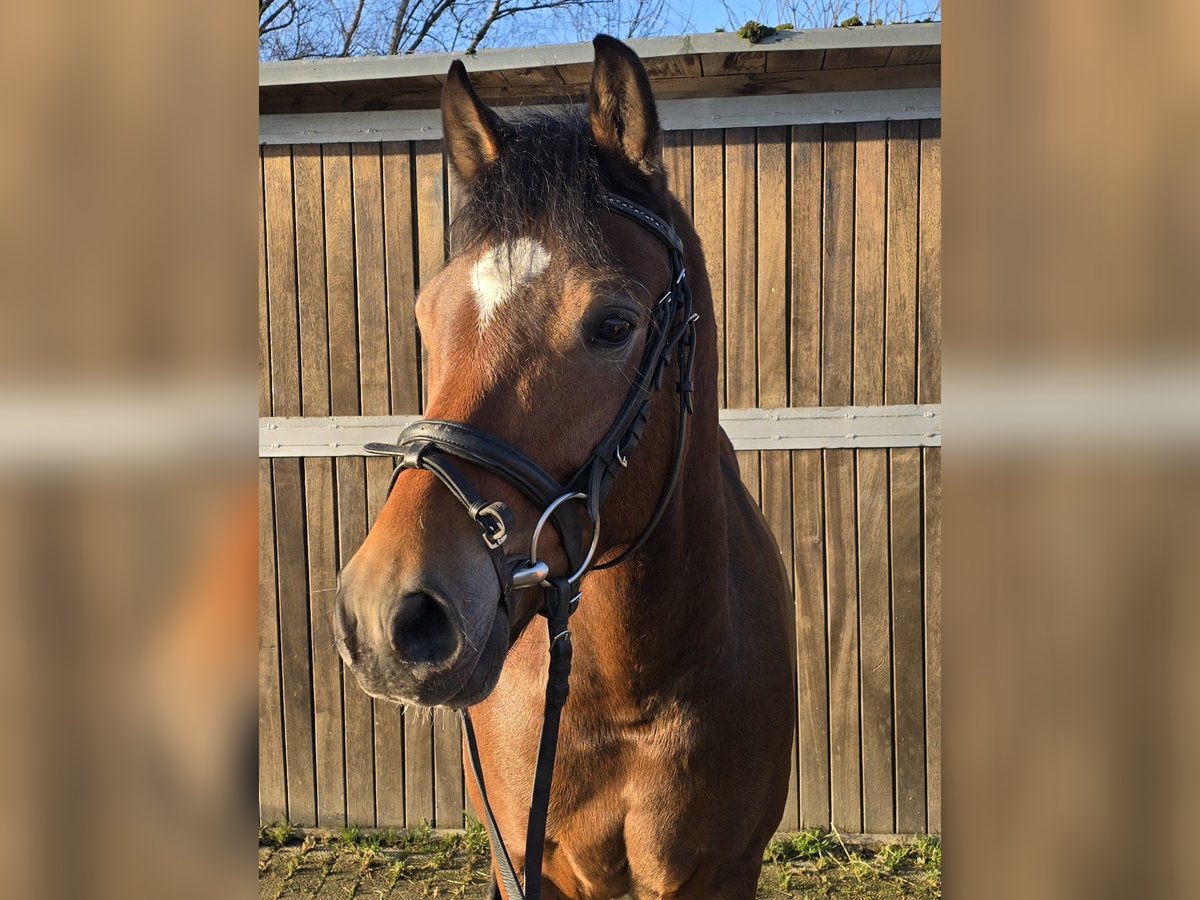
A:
x: 419, y: 648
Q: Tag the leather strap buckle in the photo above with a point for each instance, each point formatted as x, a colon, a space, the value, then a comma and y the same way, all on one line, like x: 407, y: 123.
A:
x: 493, y: 521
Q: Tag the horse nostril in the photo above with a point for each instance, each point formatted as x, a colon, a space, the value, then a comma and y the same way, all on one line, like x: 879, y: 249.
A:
x: 420, y: 630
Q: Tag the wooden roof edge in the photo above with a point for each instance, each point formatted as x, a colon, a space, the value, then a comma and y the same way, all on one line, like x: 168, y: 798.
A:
x: 365, y: 68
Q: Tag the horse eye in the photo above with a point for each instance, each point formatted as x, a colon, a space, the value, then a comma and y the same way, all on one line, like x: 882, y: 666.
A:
x: 613, y: 331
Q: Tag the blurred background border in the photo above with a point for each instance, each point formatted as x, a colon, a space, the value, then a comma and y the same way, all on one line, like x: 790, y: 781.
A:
x: 1071, y: 197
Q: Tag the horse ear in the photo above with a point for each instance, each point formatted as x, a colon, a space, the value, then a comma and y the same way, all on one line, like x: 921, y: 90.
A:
x: 624, y: 119
x: 472, y: 131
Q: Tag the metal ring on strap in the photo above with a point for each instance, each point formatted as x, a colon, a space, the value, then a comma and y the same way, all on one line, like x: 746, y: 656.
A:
x: 537, y: 533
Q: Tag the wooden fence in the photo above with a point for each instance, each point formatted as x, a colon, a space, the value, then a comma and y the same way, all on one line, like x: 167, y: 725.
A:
x: 823, y: 246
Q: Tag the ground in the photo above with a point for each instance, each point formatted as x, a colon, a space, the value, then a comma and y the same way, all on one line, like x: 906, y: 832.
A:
x: 419, y: 863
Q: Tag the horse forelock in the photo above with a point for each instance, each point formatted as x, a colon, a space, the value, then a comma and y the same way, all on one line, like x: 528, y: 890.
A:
x: 546, y: 186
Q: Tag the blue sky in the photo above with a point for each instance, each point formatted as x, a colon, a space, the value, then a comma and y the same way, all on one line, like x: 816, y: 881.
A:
x: 692, y: 16
x: 321, y: 33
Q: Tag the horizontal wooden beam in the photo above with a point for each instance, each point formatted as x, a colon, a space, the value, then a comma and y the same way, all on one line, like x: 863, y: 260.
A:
x: 370, y: 68
x: 811, y: 428
x: 675, y: 115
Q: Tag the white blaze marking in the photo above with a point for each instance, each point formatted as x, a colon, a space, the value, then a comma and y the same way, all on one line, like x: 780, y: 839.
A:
x: 502, y: 271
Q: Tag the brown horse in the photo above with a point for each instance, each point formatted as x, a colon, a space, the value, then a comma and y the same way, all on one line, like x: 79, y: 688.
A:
x: 675, y: 743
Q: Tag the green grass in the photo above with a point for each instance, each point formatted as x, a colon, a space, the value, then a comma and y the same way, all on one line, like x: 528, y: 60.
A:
x: 816, y: 859
x: 927, y: 851
x: 419, y: 862
x: 473, y: 840
x: 418, y: 837
x: 276, y: 834
x: 810, y: 844
x: 892, y: 857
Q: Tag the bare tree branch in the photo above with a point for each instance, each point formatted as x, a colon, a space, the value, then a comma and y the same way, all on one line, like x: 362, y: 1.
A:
x: 399, y: 27
x: 269, y: 12
x: 498, y: 12
x: 439, y: 10
x: 349, y: 32
x: 294, y: 29
x: 485, y: 27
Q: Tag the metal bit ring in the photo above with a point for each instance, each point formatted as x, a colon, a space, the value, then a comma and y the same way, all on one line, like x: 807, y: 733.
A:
x: 545, y: 517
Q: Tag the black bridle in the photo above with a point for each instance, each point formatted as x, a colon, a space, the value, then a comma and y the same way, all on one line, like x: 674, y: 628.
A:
x: 437, y: 446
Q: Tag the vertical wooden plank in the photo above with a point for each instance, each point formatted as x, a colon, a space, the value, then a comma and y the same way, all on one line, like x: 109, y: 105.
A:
x: 929, y: 284
x: 329, y: 746
x: 840, y: 555
x: 431, y: 214
x: 740, y: 218
x: 448, y: 771
x: 310, y: 280
x: 677, y: 154
x: 837, y: 327
x: 341, y: 291
x: 900, y: 387
x: 399, y: 230
x: 290, y: 557
x: 375, y: 399
x: 777, y: 509
x: 748, y: 464
x: 389, y: 730
x: 449, y: 784
x: 870, y: 190
x: 360, y: 738
x: 932, y: 517
x: 328, y: 725
x: 929, y: 390
x: 430, y: 191
x: 404, y: 357
x: 272, y: 790
x: 842, y: 582
x: 389, y: 765
x: 708, y: 168
x: 281, y: 284
x: 870, y: 173
x: 432, y: 755
x: 875, y: 641
x: 371, y: 272
x: 295, y: 653
x: 812, y: 672
x: 772, y: 336
x: 772, y: 268
x: 264, y: 320
x: 339, y: 283
x: 805, y: 257
x: 901, y: 383
x: 908, y: 640
x: 812, y: 675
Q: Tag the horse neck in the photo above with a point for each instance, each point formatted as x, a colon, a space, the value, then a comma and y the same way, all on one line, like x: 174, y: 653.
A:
x: 665, y: 609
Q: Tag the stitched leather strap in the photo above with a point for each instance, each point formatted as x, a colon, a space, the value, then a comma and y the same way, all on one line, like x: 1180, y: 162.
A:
x: 559, y: 601
x: 427, y: 443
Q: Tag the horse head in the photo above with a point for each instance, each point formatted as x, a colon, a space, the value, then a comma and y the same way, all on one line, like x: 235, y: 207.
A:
x: 534, y: 332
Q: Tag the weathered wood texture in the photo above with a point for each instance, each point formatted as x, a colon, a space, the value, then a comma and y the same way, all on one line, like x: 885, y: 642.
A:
x: 823, y: 249
x: 713, y: 75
